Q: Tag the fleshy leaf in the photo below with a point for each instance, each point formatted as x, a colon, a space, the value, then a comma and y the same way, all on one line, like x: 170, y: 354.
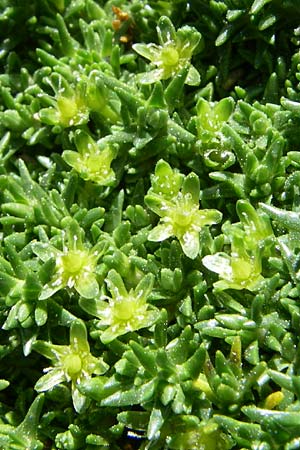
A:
x: 193, y: 77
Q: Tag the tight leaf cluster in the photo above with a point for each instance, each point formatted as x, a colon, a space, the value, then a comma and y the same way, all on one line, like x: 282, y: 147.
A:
x: 149, y: 225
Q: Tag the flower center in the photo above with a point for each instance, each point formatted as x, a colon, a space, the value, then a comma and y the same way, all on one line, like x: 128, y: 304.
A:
x: 183, y: 213
x: 169, y: 56
x: 67, y: 108
x: 98, y: 164
x: 73, y: 261
x: 242, y: 270
x: 71, y: 110
x: 72, y: 365
x: 124, y: 310
x: 183, y: 218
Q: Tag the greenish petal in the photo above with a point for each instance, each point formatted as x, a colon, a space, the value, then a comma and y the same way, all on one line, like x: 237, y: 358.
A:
x: 187, y: 38
x: 74, y: 159
x: 151, y: 77
x: 50, y: 351
x: 100, y: 366
x: 150, y: 318
x: 84, y: 143
x: 158, y: 204
x: 87, y: 285
x: 109, y: 335
x: 116, y: 285
x: 191, y: 185
x: 160, y: 233
x: 101, y: 179
x: 190, y: 244
x: 78, y: 337
x: 165, y: 30
x: 51, y: 379
x: 207, y: 217
x: 165, y: 181
x: 80, y: 401
x: 93, y: 306
x: 222, y: 285
x: 145, y: 286
x: 149, y: 51
x: 51, y: 288
x: 44, y: 251
x: 219, y: 263
x: 49, y: 116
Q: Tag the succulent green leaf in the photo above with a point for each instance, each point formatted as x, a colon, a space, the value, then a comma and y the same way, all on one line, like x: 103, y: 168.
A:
x: 133, y: 396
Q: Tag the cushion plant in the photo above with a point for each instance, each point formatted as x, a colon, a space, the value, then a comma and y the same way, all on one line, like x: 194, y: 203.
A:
x: 149, y: 224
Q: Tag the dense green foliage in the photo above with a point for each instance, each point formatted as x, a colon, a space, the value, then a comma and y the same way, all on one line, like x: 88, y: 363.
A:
x: 149, y: 224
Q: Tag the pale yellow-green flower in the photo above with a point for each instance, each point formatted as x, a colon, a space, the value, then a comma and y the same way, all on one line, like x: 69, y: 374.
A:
x: 93, y: 160
x: 173, y: 54
x: 183, y: 219
x: 175, y: 199
x: 71, y: 363
x: 240, y: 270
x: 123, y: 311
x: 75, y: 264
x: 69, y: 108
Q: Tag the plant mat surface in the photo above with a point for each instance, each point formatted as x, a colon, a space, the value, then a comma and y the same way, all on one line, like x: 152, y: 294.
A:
x: 149, y: 225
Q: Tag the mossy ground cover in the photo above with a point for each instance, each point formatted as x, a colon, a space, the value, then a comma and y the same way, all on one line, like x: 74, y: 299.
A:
x: 149, y: 224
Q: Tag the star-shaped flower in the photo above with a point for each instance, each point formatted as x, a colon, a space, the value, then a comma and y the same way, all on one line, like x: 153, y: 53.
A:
x: 71, y: 363
x: 93, y: 160
x: 124, y: 311
x: 180, y: 214
x: 69, y: 108
x: 173, y: 54
x: 75, y: 265
x: 240, y: 270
